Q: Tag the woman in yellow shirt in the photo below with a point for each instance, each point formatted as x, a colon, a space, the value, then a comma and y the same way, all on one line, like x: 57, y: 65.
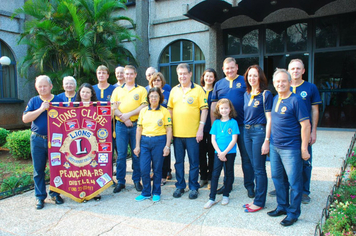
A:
x: 153, y: 138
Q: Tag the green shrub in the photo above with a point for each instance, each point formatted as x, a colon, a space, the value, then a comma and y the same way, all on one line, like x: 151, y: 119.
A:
x: 3, y: 135
x: 19, y: 144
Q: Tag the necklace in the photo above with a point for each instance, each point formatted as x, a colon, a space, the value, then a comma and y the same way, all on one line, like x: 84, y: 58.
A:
x: 223, y: 128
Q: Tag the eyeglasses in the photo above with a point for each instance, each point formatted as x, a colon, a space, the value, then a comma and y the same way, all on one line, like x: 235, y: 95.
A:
x: 154, y: 96
x: 157, y: 80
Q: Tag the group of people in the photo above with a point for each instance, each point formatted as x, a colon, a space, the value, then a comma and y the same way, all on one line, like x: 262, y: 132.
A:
x: 208, y: 122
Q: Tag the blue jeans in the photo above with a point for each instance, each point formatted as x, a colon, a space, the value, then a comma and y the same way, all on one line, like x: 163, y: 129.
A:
x: 152, y: 152
x: 229, y: 175
x: 39, y: 152
x: 307, y: 171
x: 286, y: 168
x: 247, y: 168
x: 126, y: 135
x: 192, y: 147
x: 254, y: 139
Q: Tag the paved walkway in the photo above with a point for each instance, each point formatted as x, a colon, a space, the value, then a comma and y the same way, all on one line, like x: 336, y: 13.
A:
x: 119, y: 214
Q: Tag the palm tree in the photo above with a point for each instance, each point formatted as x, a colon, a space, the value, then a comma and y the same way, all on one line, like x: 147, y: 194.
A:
x: 73, y: 37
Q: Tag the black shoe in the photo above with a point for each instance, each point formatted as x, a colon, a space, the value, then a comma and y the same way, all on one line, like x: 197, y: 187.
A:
x: 58, y: 200
x: 250, y: 193
x: 193, y: 194
x: 118, y: 188
x: 97, y: 198
x: 288, y: 222
x: 220, y: 190
x: 272, y: 193
x: 275, y: 213
x: 178, y: 193
x: 39, y: 204
x: 138, y: 187
x: 169, y: 176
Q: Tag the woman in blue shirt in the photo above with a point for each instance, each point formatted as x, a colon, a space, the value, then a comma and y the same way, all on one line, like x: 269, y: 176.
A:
x: 257, y: 119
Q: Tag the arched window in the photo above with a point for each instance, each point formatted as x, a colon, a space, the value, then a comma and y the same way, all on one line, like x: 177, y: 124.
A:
x: 8, y: 78
x: 182, y: 51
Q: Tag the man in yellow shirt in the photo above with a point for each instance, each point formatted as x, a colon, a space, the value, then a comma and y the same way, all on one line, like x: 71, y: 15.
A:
x: 189, y: 108
x: 128, y: 100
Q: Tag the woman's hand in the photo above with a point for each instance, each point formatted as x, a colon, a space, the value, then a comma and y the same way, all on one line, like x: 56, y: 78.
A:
x: 265, y: 148
x: 166, y: 151
x: 137, y: 151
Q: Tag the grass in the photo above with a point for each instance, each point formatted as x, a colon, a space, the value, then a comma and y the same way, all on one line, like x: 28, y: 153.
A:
x: 16, y: 176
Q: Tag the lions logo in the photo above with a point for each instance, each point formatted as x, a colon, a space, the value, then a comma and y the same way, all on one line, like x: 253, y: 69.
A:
x: 53, y: 113
x: 256, y: 104
x: 82, y: 194
x: 102, y: 133
x: 238, y: 85
x: 303, y: 94
x: 136, y: 97
x: 229, y: 131
x: 93, y: 163
x: 283, y: 110
x: 160, y: 122
x: 66, y: 165
x: 190, y: 100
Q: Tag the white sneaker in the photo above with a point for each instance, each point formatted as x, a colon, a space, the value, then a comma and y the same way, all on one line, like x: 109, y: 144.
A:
x: 209, y: 204
x: 225, y: 201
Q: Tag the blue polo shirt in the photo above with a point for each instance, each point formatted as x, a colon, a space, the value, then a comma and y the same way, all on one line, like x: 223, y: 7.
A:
x: 309, y: 93
x: 166, y: 98
x: 65, y: 98
x: 207, y: 125
x: 39, y: 125
x: 166, y: 87
x: 223, y: 131
x: 233, y: 90
x: 286, y: 117
x: 104, y: 94
x: 255, y: 110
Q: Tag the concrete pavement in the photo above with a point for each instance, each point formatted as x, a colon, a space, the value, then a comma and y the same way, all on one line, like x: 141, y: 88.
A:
x: 119, y: 214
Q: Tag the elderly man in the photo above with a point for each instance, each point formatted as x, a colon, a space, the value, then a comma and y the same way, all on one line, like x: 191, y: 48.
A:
x: 149, y: 72
x: 289, y: 147
x: 69, y: 86
x: 120, y: 76
x: 36, y: 112
x: 233, y: 88
x: 128, y: 101
x: 189, y: 109
x: 103, y: 89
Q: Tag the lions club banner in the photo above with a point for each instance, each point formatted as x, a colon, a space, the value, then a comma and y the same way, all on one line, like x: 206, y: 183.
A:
x: 80, y: 149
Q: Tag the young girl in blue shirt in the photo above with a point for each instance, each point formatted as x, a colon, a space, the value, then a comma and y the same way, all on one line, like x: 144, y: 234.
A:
x: 224, y: 134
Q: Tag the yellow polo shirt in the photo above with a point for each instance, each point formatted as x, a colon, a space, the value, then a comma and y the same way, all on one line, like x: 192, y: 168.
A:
x: 130, y: 100
x: 186, y: 110
x: 154, y: 122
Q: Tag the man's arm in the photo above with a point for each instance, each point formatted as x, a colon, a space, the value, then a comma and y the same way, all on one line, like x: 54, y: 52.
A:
x: 126, y: 116
x: 32, y: 115
x: 200, y: 133
x: 305, y: 133
x: 314, y: 125
x: 137, y: 149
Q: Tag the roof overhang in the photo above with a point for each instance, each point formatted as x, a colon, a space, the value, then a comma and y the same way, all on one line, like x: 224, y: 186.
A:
x: 210, y: 12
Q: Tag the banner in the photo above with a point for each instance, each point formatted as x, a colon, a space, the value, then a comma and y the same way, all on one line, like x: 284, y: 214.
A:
x: 80, y: 149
